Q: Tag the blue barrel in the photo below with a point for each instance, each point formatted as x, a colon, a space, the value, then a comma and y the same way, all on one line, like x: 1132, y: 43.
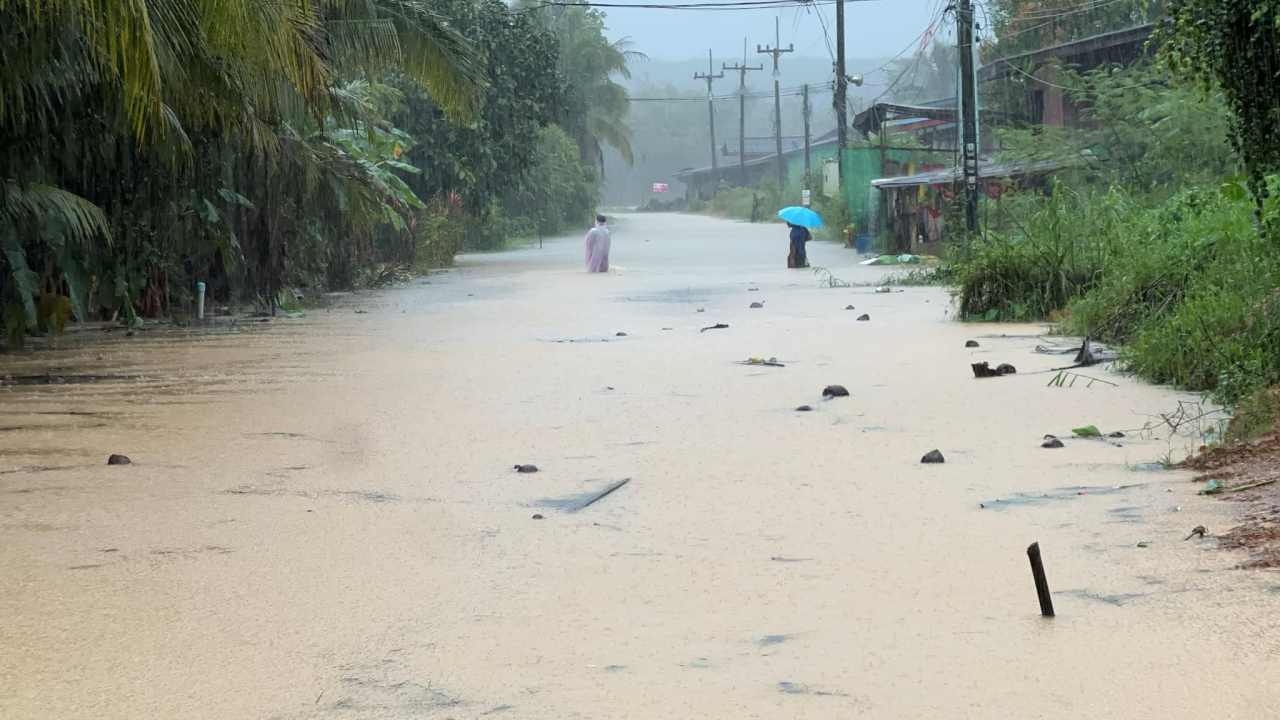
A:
x: 862, y: 243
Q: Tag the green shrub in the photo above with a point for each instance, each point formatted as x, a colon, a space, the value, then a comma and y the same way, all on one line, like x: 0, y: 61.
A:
x: 437, y: 237
x: 1191, y: 291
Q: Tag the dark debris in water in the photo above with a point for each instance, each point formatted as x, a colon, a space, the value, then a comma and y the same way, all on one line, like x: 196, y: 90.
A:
x: 835, y: 391
x: 768, y: 640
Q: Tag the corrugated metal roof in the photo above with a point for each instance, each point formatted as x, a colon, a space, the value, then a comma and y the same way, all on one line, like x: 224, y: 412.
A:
x: 985, y: 171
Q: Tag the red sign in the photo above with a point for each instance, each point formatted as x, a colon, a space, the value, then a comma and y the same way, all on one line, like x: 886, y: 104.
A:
x: 660, y: 187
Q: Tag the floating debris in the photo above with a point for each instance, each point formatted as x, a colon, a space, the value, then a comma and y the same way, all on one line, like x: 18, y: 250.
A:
x: 537, y: 516
x: 756, y: 305
x: 525, y: 468
x: 804, y: 408
x: 984, y: 370
x: 834, y: 391
x: 1051, y: 442
x: 971, y: 344
x: 848, y: 307
x: 1198, y: 530
x: 933, y: 457
x: 119, y: 460
x: 864, y: 317
x: 619, y: 334
x: 717, y: 326
x: 582, y: 501
x: 1088, y: 431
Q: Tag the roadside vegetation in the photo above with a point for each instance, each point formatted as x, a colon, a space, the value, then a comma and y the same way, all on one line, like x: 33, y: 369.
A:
x: 150, y: 144
x: 1164, y: 236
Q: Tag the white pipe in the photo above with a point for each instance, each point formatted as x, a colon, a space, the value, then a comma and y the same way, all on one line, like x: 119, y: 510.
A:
x: 199, y: 301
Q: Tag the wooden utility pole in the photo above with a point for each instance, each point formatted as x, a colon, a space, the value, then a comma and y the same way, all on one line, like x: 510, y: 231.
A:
x: 742, y: 69
x: 776, y: 50
x: 968, y: 113
x: 711, y: 109
x: 805, y: 112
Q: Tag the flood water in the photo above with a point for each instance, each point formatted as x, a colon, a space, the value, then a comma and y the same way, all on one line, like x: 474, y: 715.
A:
x: 322, y: 518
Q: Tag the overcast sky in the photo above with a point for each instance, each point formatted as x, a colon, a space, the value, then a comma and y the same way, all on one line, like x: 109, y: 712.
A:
x: 874, y: 28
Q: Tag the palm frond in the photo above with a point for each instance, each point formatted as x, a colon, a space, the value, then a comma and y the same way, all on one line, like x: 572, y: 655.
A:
x: 408, y: 35
x: 24, y: 205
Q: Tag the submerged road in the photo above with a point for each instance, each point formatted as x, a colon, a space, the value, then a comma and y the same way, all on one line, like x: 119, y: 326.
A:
x: 322, y: 519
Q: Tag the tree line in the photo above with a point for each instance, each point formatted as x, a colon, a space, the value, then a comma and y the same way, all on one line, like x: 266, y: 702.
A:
x: 256, y: 146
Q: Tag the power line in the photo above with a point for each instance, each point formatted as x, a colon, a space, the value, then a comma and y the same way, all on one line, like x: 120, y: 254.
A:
x: 820, y: 88
x: 709, y: 6
x: 1020, y: 71
x: 1066, y: 11
x: 825, y: 35
x: 914, y: 43
x: 919, y: 53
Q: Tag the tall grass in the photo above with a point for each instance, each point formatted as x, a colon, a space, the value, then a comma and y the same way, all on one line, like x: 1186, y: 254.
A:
x: 1189, y: 286
x: 1052, y: 251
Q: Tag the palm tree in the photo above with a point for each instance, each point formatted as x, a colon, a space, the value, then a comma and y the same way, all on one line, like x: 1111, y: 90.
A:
x: 127, y: 124
x: 596, y: 105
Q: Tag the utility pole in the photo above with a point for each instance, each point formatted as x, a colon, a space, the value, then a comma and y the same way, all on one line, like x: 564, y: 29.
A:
x: 805, y: 112
x: 841, y: 101
x: 742, y: 69
x: 776, y: 50
x: 968, y: 113
x: 711, y: 110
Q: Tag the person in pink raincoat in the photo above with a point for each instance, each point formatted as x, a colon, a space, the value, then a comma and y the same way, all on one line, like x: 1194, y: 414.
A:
x: 597, y: 242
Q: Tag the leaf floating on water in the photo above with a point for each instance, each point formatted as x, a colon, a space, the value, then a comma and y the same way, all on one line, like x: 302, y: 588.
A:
x: 1088, y: 431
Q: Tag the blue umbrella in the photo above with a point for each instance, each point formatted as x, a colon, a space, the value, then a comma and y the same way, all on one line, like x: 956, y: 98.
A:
x: 802, y: 216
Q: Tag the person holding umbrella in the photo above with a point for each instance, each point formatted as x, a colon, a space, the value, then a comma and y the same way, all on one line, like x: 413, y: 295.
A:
x: 799, y: 220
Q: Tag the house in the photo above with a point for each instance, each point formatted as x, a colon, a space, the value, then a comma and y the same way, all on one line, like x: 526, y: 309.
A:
x: 915, y: 205
x: 912, y: 205
x: 761, y: 165
x: 1047, y: 102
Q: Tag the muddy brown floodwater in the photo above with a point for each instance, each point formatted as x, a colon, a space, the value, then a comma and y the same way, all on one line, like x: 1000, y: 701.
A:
x: 322, y: 519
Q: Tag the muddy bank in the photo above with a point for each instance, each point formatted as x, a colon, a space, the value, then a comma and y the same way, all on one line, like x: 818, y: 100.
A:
x: 1246, y: 474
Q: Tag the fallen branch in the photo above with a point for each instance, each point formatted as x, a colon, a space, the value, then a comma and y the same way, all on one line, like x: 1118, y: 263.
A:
x: 602, y: 495
x: 1248, y: 486
x: 1060, y: 380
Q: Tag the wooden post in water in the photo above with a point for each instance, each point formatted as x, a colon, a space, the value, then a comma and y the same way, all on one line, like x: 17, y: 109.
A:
x: 1042, y: 583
